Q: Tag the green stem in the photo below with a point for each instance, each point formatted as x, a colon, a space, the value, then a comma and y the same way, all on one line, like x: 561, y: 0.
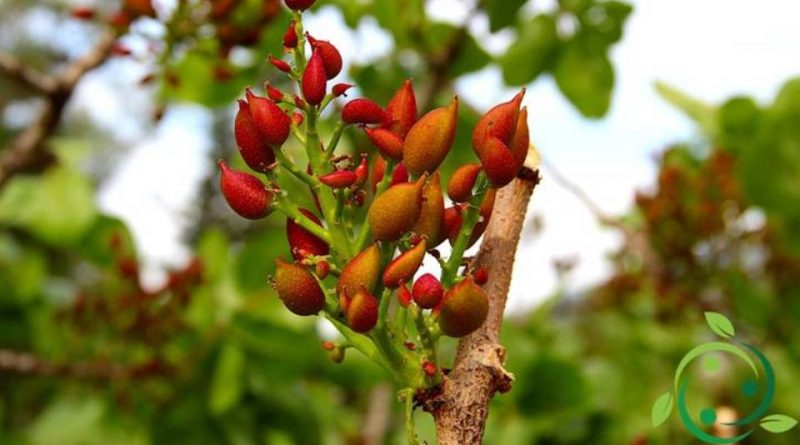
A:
x: 291, y: 167
x: 337, y: 136
x: 424, y: 334
x: 471, y: 218
x: 290, y: 210
x: 360, y: 342
x: 407, y: 397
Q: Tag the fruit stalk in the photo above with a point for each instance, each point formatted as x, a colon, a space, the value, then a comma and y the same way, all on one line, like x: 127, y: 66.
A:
x: 471, y: 218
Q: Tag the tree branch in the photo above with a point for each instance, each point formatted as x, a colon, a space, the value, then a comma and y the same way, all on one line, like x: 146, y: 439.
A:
x: 28, y: 151
x: 20, y: 72
x: 461, y: 408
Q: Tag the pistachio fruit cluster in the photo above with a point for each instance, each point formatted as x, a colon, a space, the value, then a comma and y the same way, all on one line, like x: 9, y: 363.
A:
x: 359, y: 269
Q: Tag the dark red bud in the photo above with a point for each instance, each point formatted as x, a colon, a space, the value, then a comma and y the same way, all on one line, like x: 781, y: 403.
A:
x: 257, y: 154
x: 275, y: 94
x: 429, y: 368
x: 363, y: 111
x: 299, y: 102
x: 480, y: 275
x: 339, y: 179
x: 404, y: 296
x: 302, y: 242
x: 82, y: 13
x: 315, y: 80
x: 246, y: 195
x: 280, y: 64
x: 362, y: 171
x: 290, y: 38
x: 299, y: 5
x: 427, y: 291
x: 322, y: 269
x: 340, y: 89
x: 402, y: 110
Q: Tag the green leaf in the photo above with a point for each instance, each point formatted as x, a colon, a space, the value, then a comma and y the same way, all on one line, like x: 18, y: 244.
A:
x: 662, y: 409
x: 471, y: 58
x: 226, y: 385
x: 532, y: 53
x: 604, y: 22
x: 586, y: 78
x: 720, y: 324
x: 196, y: 82
x: 778, y: 423
x: 702, y: 113
x: 502, y: 13
x: 57, y: 207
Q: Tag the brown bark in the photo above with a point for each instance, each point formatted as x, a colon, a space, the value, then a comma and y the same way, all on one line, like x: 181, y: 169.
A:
x: 460, y: 410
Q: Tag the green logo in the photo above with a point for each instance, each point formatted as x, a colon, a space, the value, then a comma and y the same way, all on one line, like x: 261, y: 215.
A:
x: 763, y: 385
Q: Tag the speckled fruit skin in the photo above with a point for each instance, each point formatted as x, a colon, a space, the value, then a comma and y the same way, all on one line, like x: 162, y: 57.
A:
x: 315, y: 80
x: 271, y: 122
x: 363, y: 111
x: 427, y: 292
x: 429, y: 224
x: 301, y: 241
x: 500, y: 139
x: 459, y: 189
x: 245, y: 194
x: 363, y: 271
x: 464, y: 309
x: 339, y: 179
x: 403, y: 268
x: 388, y: 143
x: 429, y: 141
x: 396, y: 211
x: 402, y: 110
x: 298, y: 289
x: 257, y: 154
x: 362, y: 315
x: 331, y: 58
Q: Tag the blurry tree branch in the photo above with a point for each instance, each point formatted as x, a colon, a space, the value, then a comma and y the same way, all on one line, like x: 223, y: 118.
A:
x: 29, y: 364
x: 460, y: 410
x: 28, y: 151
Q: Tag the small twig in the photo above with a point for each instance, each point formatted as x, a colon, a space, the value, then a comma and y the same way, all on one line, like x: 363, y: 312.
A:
x: 18, y: 71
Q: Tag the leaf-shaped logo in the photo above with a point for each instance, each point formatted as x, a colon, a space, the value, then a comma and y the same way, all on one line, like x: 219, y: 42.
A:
x: 662, y: 409
x: 778, y: 423
x: 720, y: 325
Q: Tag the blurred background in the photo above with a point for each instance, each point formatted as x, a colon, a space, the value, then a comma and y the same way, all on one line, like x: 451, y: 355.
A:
x: 134, y: 306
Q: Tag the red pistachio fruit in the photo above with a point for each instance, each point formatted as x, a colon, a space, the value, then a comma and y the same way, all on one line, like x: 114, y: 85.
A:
x: 330, y: 56
x: 362, y: 271
x: 404, y: 296
x: 363, y: 111
x: 315, y: 80
x: 402, y: 110
x: 461, y: 183
x: 464, y: 309
x: 396, y: 211
x: 298, y: 289
x: 388, y: 143
x: 427, y: 291
x: 258, y: 155
x: 272, y: 122
x: 339, y: 179
x: 403, y: 268
x: 340, y: 89
x: 429, y: 141
x: 362, y: 313
x: 301, y: 241
x: 245, y: 194
x: 290, y: 37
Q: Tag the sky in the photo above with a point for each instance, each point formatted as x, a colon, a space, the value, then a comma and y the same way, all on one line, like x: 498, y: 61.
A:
x: 711, y: 48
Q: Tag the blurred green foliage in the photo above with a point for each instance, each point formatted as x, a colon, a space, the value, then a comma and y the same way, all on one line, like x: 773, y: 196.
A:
x: 90, y: 356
